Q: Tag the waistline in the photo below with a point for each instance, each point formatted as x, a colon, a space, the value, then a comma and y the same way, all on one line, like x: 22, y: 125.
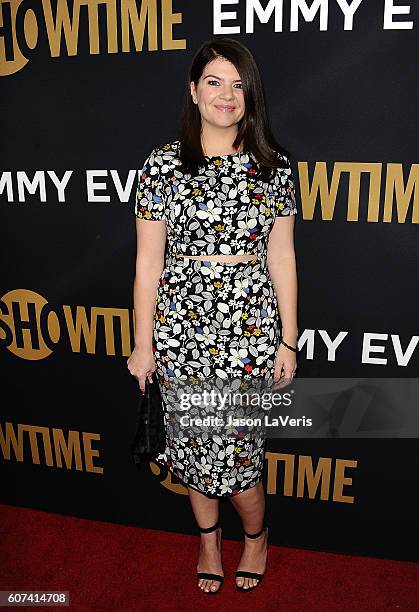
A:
x: 184, y: 261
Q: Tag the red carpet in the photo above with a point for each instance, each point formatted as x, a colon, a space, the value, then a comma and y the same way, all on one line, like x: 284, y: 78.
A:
x: 108, y: 567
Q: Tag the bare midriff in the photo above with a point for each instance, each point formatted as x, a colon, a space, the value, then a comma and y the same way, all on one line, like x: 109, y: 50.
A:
x: 226, y: 258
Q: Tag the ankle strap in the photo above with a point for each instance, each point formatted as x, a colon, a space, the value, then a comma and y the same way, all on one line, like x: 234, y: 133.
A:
x: 209, y: 529
x: 254, y: 535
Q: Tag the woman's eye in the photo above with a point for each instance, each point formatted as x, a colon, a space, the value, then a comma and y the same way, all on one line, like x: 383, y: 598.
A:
x: 239, y: 85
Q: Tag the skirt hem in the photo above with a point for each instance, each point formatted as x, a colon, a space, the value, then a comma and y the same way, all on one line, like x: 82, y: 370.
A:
x: 210, y: 495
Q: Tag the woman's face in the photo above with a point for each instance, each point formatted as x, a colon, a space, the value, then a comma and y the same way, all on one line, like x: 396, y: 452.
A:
x: 219, y: 94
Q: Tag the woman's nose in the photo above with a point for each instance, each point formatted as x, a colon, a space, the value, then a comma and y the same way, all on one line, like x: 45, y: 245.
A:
x: 226, y: 93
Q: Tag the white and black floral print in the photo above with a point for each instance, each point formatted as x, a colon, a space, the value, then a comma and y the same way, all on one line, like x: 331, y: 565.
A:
x: 214, y: 319
x: 223, y: 210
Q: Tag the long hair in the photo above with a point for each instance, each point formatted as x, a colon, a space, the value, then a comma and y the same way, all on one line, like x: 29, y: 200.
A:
x: 254, y: 128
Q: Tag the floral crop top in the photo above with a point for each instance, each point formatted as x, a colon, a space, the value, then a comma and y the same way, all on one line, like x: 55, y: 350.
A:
x: 221, y: 211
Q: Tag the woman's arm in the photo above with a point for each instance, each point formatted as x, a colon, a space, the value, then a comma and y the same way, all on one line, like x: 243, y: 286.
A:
x: 151, y: 241
x: 283, y: 272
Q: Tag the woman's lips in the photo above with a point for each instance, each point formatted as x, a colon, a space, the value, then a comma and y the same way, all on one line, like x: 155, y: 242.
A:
x: 225, y: 109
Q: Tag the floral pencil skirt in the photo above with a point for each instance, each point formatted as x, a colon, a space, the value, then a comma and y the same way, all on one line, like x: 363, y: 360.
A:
x: 214, y: 321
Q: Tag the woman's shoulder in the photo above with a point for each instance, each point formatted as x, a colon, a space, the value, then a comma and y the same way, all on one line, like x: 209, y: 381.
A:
x: 282, y: 156
x: 167, y: 149
x: 163, y: 158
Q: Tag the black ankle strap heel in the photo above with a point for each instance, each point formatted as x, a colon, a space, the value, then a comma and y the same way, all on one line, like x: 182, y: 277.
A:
x: 208, y: 575
x: 252, y: 536
x: 255, y: 575
x: 209, y: 529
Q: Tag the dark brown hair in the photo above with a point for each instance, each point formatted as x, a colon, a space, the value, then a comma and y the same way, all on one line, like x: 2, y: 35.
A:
x: 253, y: 129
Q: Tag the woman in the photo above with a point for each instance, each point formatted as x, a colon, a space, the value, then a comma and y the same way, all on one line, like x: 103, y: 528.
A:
x: 215, y: 196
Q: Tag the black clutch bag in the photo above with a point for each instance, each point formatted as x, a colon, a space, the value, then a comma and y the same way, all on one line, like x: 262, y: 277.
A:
x: 150, y: 436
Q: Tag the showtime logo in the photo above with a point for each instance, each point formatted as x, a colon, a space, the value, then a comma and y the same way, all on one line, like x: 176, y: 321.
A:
x: 25, y: 24
x: 296, y: 476
x: 30, y: 327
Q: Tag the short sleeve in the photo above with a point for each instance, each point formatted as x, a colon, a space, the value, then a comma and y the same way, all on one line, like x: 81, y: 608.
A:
x: 282, y: 192
x: 150, y: 196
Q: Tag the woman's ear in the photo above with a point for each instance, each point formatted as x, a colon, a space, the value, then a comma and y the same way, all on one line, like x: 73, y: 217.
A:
x: 193, y: 92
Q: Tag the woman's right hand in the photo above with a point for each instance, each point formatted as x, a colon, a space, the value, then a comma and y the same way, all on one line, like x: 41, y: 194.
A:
x: 141, y: 365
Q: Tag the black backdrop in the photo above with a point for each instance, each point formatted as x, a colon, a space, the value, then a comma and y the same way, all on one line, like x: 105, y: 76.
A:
x: 342, y: 101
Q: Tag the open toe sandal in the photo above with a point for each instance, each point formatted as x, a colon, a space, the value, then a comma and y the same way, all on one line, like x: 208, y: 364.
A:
x: 254, y: 575
x: 208, y: 575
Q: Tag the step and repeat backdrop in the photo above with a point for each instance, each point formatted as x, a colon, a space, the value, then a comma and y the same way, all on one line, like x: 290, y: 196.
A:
x: 88, y: 88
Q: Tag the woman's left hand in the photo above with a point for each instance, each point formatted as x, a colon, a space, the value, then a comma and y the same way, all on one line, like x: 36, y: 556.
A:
x: 285, y: 366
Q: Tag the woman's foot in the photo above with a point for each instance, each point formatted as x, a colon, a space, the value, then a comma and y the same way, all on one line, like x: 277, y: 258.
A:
x: 253, y: 559
x: 209, y: 559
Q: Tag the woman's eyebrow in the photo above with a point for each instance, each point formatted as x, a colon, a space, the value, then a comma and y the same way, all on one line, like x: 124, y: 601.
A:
x: 219, y: 78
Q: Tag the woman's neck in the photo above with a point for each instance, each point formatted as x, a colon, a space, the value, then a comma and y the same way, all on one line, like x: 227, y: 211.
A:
x: 218, y: 142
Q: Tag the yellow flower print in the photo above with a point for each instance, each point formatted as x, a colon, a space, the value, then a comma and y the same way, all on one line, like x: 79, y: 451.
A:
x: 280, y: 205
x: 244, y: 316
x: 192, y: 314
x: 237, y: 449
x: 218, y: 162
x: 219, y: 228
x: 218, y: 284
x: 196, y: 192
x: 213, y: 351
x: 257, y: 331
x: 267, y: 212
x: 251, y: 185
x: 246, y: 333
